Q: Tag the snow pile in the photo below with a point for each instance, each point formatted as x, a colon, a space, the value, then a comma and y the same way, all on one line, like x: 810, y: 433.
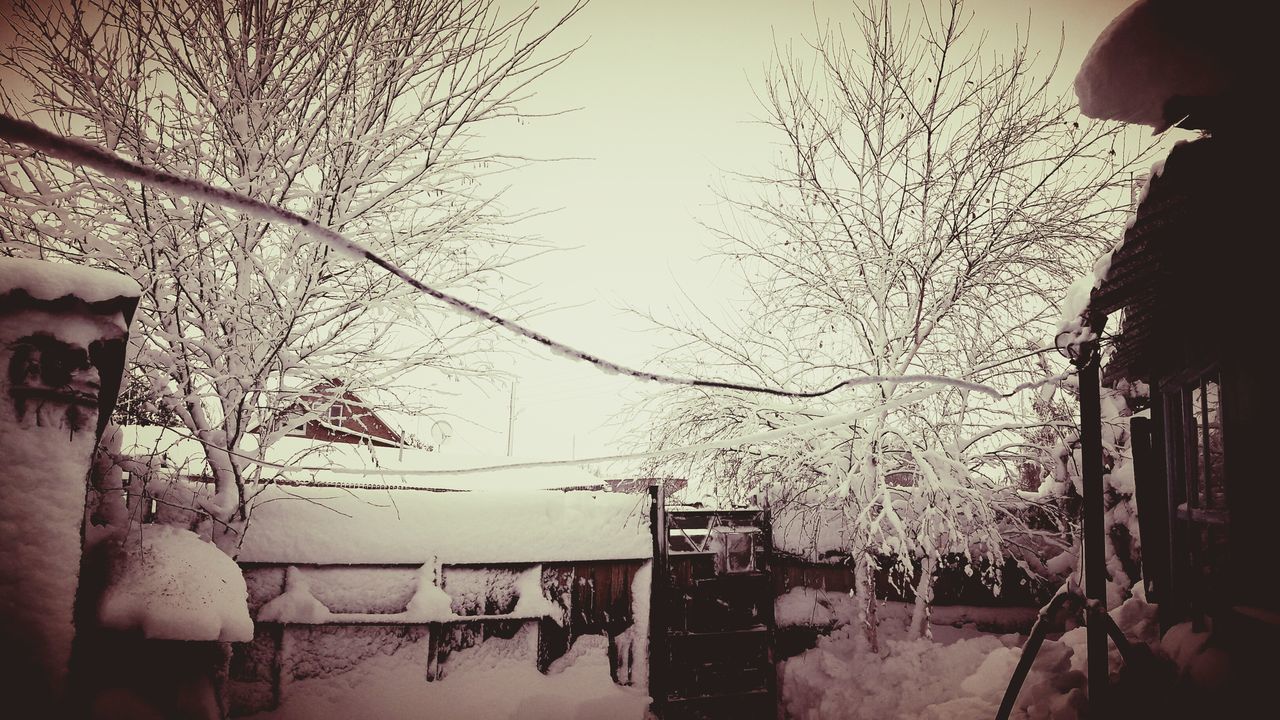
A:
x: 633, y: 643
x: 839, y: 679
x: 305, y: 525
x: 42, y: 495
x: 44, y: 280
x: 497, y: 679
x: 46, y: 453
x: 296, y: 604
x: 532, y: 602
x: 816, y: 608
x: 1073, y: 327
x: 1199, y: 663
x: 172, y: 585
x: 1152, y: 53
x: 964, y: 679
x: 429, y: 602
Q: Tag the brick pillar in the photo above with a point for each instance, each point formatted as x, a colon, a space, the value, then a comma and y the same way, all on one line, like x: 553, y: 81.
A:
x: 62, y: 342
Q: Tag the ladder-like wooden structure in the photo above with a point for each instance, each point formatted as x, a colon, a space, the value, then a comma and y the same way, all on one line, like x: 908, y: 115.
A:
x: 711, y: 613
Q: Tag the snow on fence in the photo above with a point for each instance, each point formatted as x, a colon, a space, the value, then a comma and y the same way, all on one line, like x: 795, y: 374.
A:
x: 337, y: 576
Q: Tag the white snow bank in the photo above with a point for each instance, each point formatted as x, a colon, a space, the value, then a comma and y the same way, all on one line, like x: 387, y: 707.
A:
x: 45, y: 280
x: 296, y: 604
x: 1198, y: 662
x: 1073, y: 329
x: 809, y: 534
x: 809, y: 606
x: 1154, y: 52
x: 633, y: 643
x: 308, y: 525
x: 837, y: 680
x: 172, y: 585
x: 497, y: 679
x: 961, y: 680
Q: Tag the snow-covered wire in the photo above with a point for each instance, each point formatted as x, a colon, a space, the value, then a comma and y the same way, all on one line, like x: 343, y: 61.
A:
x: 82, y: 153
x: 765, y: 436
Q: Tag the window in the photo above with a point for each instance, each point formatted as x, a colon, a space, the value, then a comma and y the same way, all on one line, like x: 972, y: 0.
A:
x: 337, y: 413
x: 1198, y: 486
x: 735, y: 549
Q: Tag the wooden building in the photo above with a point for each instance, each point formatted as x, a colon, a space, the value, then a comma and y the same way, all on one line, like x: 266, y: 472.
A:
x: 344, y: 417
x: 1187, y: 300
x: 1192, y: 301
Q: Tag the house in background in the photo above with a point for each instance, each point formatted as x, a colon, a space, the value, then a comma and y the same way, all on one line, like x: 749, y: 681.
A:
x: 344, y: 418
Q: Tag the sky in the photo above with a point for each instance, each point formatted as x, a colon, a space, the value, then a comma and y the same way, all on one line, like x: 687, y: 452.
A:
x: 653, y: 110
x: 662, y: 107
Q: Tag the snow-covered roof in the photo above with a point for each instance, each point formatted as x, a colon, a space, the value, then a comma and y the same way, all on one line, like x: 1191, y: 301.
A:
x: 319, y: 462
x: 1162, y: 50
x: 323, y: 525
x: 44, y: 280
x: 810, y: 535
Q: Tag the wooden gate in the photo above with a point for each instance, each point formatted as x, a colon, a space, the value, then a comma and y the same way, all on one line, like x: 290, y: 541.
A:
x: 711, y: 613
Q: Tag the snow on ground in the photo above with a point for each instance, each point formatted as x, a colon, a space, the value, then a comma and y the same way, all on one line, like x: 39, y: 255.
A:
x: 495, y: 680
x: 961, y: 674
x: 172, y: 585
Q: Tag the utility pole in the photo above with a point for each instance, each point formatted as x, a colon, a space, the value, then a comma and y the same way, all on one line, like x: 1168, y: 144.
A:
x: 511, y: 418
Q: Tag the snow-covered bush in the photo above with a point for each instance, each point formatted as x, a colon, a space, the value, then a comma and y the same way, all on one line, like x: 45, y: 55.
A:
x: 1120, y: 518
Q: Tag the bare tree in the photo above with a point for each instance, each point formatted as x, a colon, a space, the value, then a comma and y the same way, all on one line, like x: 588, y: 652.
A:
x: 933, y: 202
x: 360, y: 115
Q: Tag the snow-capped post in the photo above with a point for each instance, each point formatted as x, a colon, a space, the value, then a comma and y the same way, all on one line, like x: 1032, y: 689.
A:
x: 1086, y: 359
x: 63, y: 331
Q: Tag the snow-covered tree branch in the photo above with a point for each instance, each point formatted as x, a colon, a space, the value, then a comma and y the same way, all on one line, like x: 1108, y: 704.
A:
x: 932, y: 201
x: 360, y: 116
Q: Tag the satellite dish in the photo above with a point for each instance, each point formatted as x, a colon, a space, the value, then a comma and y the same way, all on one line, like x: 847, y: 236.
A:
x: 441, y: 430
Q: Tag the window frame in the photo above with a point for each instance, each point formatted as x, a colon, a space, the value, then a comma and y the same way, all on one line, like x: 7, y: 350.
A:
x: 1199, y: 486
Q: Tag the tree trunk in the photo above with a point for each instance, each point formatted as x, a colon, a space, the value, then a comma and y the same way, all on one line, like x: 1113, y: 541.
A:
x: 924, y: 601
x: 864, y: 584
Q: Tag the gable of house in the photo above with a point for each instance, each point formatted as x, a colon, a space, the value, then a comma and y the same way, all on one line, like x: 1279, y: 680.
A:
x: 344, y: 419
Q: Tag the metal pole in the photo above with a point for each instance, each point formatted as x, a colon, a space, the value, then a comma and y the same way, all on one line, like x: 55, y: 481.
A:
x: 511, y: 418
x: 657, y: 599
x: 1095, y: 570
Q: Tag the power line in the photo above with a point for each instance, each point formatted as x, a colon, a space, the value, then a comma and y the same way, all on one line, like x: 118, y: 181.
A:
x: 816, y: 424
x: 82, y: 153
x: 765, y: 436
